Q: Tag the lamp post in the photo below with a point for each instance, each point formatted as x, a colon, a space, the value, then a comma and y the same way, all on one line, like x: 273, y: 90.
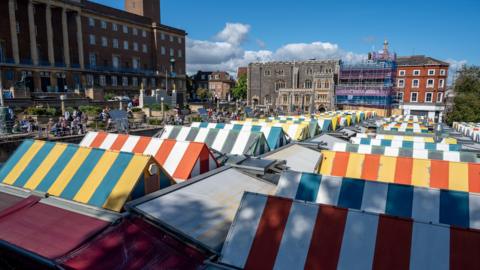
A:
x: 163, y: 111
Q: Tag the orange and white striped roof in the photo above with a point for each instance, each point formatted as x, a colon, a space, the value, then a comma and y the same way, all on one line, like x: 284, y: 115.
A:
x: 182, y: 160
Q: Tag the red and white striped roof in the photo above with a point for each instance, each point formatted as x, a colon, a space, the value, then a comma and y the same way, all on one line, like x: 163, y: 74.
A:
x: 182, y: 160
x: 278, y: 233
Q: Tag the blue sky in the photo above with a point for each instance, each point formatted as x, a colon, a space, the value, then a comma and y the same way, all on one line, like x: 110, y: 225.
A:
x: 273, y: 30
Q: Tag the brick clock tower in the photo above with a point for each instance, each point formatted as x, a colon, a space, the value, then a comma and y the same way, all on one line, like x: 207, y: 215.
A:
x: 147, y: 8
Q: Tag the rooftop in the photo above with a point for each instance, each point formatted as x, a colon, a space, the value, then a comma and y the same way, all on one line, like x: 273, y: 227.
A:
x: 420, y: 60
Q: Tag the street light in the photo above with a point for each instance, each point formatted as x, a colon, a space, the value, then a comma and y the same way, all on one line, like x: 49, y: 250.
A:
x: 163, y: 112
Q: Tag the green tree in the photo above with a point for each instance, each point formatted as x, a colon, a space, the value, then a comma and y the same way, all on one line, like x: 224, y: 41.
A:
x: 240, y: 90
x: 203, y: 93
x: 466, y: 106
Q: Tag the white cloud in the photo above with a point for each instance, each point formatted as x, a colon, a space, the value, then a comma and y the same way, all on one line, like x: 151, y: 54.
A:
x: 234, y: 33
x: 225, y: 52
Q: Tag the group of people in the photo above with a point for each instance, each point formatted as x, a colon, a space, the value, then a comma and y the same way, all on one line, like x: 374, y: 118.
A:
x: 68, y: 124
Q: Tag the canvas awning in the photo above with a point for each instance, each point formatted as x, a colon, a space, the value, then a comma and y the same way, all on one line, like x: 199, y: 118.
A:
x: 397, y: 137
x: 133, y: 244
x: 406, y: 152
x: 202, y: 209
x: 461, y: 209
x: 222, y: 140
x: 42, y: 231
x: 97, y: 177
x: 182, y: 160
x: 460, y: 176
x: 407, y: 144
x: 298, y: 157
x: 275, y: 136
x: 296, y: 131
x: 272, y: 232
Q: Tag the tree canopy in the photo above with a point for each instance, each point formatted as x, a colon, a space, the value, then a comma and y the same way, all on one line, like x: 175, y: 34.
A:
x: 240, y: 90
x: 466, y: 106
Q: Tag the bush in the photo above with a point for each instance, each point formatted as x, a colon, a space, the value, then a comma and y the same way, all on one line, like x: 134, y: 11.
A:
x: 41, y: 111
x: 109, y: 96
x: 136, y: 109
x: 157, y: 107
x: 154, y: 121
x: 90, y: 110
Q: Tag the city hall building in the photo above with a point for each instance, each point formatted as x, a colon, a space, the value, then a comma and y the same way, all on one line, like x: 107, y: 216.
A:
x: 58, y: 46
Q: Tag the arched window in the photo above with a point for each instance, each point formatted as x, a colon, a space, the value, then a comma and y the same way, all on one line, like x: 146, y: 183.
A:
x: 327, y: 84
x: 279, y: 85
x: 307, y: 84
x: 285, y: 99
x: 309, y: 71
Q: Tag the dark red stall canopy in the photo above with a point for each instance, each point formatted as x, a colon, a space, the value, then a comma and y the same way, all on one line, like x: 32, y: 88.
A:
x: 134, y: 244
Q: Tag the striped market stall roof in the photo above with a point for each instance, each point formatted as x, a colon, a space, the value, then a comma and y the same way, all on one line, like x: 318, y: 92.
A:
x: 460, y: 176
x: 406, y: 152
x: 297, y: 132
x: 275, y: 136
x: 279, y: 233
x: 396, y: 137
x: 471, y: 130
x: 406, y: 127
x: 448, y: 207
x: 225, y: 141
x: 182, y: 160
x: 97, y: 177
x: 407, y: 144
x: 325, y: 123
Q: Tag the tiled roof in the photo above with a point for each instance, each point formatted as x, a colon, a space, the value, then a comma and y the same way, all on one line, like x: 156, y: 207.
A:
x: 419, y: 60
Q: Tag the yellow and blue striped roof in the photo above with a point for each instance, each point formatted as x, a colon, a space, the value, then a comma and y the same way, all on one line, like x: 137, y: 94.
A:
x: 93, y: 176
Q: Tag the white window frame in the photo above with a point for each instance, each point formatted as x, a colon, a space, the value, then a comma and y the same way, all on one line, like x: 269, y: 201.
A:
x: 102, y: 80
x: 91, y: 39
x: 124, y: 81
x: 443, y: 72
x: 401, y: 72
x: 91, y: 22
x: 418, y: 83
x: 134, y: 81
x: 103, y: 24
x: 144, y: 33
x: 104, y: 42
x: 441, y: 83
x: 115, y: 64
x: 125, y: 44
x: 171, y: 38
x: 401, y: 83
x: 136, y: 63
x: 115, y: 43
x: 416, y: 71
x: 440, y: 97
x: 114, y: 80
x: 162, y: 36
x: 411, y: 97
x: 400, y: 96
x: 125, y: 29
x: 163, y: 51
x: 431, y: 72
x: 172, y: 52
x: 135, y: 46
x: 134, y: 31
x: 180, y: 53
x: 432, y: 85
x: 179, y: 40
x: 144, y: 48
x: 431, y: 97
x: 114, y: 27
x: 92, y: 59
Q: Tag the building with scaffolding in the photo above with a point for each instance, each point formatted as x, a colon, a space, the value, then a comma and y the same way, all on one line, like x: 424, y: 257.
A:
x: 369, y: 84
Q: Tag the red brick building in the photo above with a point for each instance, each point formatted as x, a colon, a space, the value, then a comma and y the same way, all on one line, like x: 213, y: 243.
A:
x: 59, y: 46
x: 421, y: 85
